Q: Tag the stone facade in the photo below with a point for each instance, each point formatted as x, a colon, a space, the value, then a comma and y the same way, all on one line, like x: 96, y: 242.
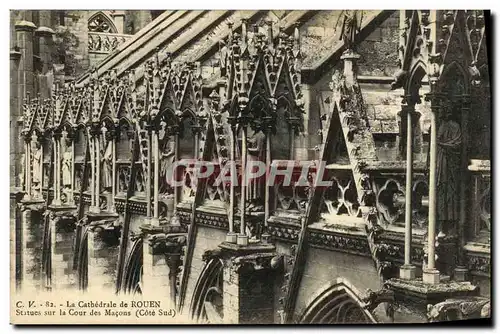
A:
x: 118, y: 105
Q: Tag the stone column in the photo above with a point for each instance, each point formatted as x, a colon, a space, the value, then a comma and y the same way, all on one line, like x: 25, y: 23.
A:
x: 31, y: 245
x: 62, y: 229
x: 242, y: 238
x: 175, y: 173
x: 46, y: 45
x: 119, y: 20
x: 431, y: 274
x: 249, y: 279
x: 267, y: 195
x: 57, y: 169
x: 103, y: 248
x: 24, y: 33
x: 41, y: 169
x: 407, y: 271
x: 148, y: 174
x: 72, y: 198
x: 27, y: 169
x: 113, y: 170
x: 155, y: 271
x: 460, y: 272
x: 98, y: 171
x: 92, y: 163
x: 231, y: 235
x: 15, y: 124
x: 22, y: 56
x: 156, y: 175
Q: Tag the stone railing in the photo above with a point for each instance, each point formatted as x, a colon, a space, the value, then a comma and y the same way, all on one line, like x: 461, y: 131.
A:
x: 292, y: 196
x: 481, y: 198
x: 389, y: 187
x: 105, y: 42
x: 477, y: 248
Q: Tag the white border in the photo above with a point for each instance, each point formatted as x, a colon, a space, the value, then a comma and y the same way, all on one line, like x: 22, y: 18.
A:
x: 190, y: 4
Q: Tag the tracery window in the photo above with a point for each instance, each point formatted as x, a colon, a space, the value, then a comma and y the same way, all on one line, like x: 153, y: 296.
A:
x: 100, y: 23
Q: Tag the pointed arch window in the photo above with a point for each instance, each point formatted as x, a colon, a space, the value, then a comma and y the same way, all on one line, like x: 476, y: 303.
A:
x: 99, y: 22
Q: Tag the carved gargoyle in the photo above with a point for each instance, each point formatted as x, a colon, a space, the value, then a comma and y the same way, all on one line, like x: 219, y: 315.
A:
x: 458, y: 309
x: 374, y: 298
x: 475, y: 75
x: 211, y: 254
x: 399, y: 79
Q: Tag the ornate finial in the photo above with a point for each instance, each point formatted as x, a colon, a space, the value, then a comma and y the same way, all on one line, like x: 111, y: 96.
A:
x: 230, y: 35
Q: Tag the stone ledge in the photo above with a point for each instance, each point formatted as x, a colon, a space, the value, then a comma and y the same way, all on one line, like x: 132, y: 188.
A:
x: 44, y: 32
x: 24, y: 26
x: 416, y: 295
x: 15, y: 54
x: 418, y: 286
x: 248, y: 249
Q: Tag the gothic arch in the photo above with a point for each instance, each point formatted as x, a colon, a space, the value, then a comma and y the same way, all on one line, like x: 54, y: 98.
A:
x: 100, y: 22
x: 82, y: 259
x: 46, y: 252
x: 337, y: 303
x: 167, y: 115
x: 188, y: 137
x: 207, y: 288
x: 107, y: 121
x: 132, y: 276
x: 451, y: 71
x: 417, y: 74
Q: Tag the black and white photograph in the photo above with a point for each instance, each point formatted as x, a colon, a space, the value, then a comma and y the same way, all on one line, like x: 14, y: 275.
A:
x: 250, y: 167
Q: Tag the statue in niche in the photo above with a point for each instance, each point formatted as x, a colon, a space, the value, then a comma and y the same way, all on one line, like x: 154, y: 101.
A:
x: 66, y: 169
x: 78, y: 178
x: 35, y: 167
x: 167, y: 151
x: 350, y: 28
x: 107, y: 165
x: 449, y: 141
x: 22, y: 171
x: 256, y: 140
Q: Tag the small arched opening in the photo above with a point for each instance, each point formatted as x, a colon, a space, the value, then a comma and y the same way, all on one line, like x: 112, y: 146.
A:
x: 337, y: 304
x: 133, y: 269
x: 206, y: 303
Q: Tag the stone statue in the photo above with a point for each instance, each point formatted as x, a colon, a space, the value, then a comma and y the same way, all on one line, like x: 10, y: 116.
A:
x: 167, y: 158
x: 66, y: 169
x: 22, y: 171
x: 256, y: 140
x: 36, y: 163
x: 107, y: 166
x: 449, y: 141
x: 350, y: 28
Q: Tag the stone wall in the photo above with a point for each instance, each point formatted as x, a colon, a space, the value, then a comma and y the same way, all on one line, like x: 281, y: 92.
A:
x: 63, y: 236
x: 207, y: 238
x: 103, y: 248
x: 322, y: 267
x: 31, y: 245
x: 72, y: 41
x: 379, y: 51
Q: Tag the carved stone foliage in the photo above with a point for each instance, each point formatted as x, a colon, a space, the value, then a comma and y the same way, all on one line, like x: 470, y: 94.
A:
x: 344, y: 243
x: 262, y: 79
x: 479, y: 264
x: 103, y: 42
x: 442, y: 37
x: 459, y: 309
